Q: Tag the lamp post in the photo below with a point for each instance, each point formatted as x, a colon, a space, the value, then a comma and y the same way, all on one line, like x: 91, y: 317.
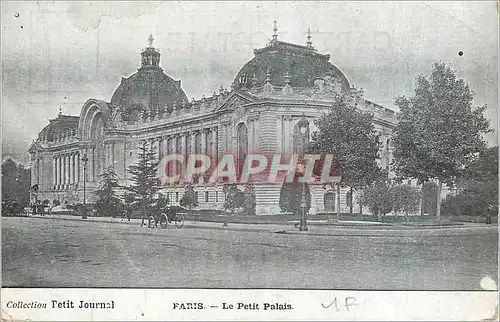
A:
x: 304, y: 129
x: 84, y: 160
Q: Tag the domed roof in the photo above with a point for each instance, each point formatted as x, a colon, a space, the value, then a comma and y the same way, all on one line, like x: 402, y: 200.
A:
x: 63, y: 125
x: 282, y: 62
x: 150, y: 88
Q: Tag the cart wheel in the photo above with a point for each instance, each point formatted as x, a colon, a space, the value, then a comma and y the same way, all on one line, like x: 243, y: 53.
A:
x: 151, y: 222
x: 26, y: 212
x: 179, y: 221
x: 163, y: 221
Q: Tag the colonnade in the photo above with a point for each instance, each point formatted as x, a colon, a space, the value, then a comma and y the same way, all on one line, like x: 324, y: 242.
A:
x: 68, y: 168
x: 203, y: 141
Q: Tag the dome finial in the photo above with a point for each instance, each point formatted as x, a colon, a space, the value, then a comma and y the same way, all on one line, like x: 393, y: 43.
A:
x: 275, y: 30
x: 150, y: 40
x: 309, y: 42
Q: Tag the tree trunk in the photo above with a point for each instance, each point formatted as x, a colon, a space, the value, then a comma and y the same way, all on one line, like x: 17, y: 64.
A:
x: 438, y: 200
x: 351, y: 203
x: 422, y: 200
x: 338, y: 202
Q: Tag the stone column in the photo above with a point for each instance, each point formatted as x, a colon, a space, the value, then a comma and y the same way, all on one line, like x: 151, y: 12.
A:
x: 64, y: 175
x: 160, y: 148
x: 183, y: 144
x: 58, y: 171
x: 75, y: 169
x: 70, y: 168
x: 192, y: 138
x: 91, y: 164
x: 54, y: 171
x: 61, y: 171
x: 215, y: 142
x: 204, y: 149
x: 77, y: 175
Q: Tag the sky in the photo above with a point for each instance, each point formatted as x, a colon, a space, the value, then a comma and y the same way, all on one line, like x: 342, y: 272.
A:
x: 56, y: 55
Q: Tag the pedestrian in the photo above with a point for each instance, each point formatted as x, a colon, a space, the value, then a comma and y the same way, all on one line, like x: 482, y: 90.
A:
x: 33, y: 208
x: 488, y: 214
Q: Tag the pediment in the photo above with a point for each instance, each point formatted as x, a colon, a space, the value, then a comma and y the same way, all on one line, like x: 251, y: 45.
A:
x: 235, y: 100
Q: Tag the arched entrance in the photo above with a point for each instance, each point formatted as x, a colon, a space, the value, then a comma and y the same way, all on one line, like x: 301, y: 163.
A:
x: 329, y: 201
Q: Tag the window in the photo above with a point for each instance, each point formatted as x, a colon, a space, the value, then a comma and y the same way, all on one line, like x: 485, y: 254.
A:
x: 206, y: 196
x: 130, y: 153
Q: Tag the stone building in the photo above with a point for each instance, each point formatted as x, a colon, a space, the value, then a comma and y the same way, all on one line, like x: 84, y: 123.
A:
x: 271, y: 93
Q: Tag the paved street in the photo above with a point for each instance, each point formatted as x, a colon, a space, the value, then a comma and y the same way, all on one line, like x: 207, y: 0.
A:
x: 40, y: 252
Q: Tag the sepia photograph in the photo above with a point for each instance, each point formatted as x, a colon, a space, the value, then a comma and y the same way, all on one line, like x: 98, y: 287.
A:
x: 249, y: 146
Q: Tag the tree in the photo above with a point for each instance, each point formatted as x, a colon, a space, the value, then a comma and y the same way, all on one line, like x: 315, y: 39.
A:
x: 405, y: 199
x: 477, y: 187
x: 145, y: 182
x: 16, y: 181
x: 189, y: 199
x: 350, y: 136
x: 377, y: 197
x: 438, y: 130
x: 291, y: 197
x: 235, y: 198
x: 108, y: 203
x: 249, y: 203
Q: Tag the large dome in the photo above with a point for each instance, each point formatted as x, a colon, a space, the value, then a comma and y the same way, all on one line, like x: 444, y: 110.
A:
x: 150, y: 89
x: 282, y: 62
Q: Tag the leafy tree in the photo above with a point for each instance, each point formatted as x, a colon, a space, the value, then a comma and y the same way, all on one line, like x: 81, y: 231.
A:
x: 291, y: 197
x: 438, y: 131
x: 108, y: 203
x: 189, y: 199
x: 249, y: 203
x: 234, y: 197
x: 405, y: 199
x: 377, y: 197
x: 350, y: 136
x: 16, y: 182
x: 477, y: 188
x: 145, y: 181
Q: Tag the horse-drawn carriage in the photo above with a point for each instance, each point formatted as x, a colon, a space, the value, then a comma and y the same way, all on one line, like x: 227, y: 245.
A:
x: 167, y: 215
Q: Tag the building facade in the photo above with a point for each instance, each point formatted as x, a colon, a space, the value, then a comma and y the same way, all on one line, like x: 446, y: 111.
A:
x: 281, y: 85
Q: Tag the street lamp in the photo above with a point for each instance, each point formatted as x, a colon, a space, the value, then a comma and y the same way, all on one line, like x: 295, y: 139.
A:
x: 303, y: 127
x: 84, y: 160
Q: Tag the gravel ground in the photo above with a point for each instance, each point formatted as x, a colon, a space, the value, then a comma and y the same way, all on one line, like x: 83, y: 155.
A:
x: 41, y: 252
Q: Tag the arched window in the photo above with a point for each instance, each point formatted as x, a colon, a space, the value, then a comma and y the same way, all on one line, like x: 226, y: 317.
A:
x: 300, y: 140
x: 242, y: 135
x: 242, y: 146
x: 197, y: 143
x: 329, y: 201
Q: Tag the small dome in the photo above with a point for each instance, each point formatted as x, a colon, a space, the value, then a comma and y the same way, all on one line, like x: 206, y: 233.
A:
x: 63, y: 125
x: 282, y: 63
